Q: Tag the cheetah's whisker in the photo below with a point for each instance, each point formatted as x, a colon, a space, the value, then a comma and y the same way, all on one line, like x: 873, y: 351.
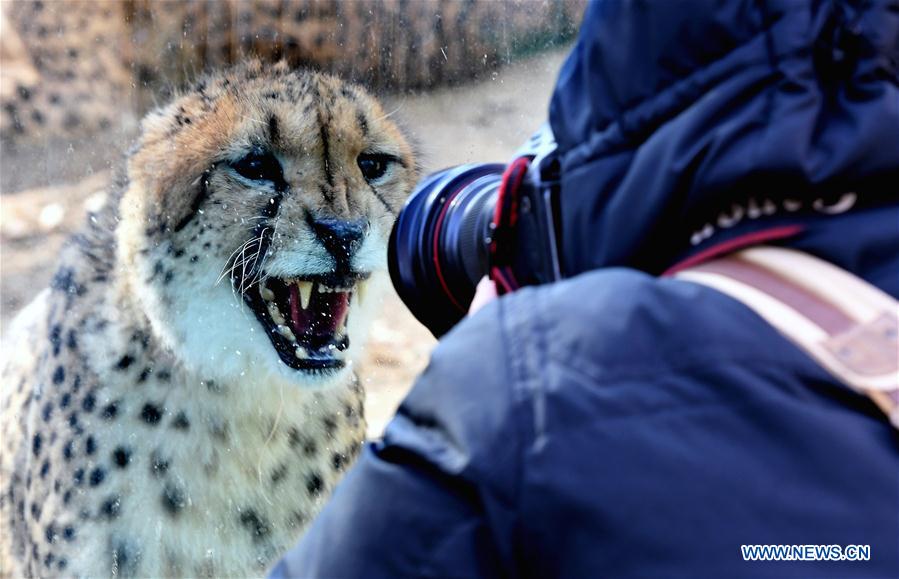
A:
x: 231, y: 263
x: 393, y: 112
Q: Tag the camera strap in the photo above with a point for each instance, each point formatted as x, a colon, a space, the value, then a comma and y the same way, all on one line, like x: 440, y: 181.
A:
x: 505, y: 226
x: 847, y: 325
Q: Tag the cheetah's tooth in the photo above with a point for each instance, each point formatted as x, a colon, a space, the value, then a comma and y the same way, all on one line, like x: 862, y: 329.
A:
x: 300, y: 353
x: 267, y: 294
x: 285, y: 331
x: 361, y: 291
x: 275, y: 314
x: 305, y: 288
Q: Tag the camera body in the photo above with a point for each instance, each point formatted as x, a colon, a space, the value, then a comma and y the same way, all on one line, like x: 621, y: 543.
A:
x: 466, y: 222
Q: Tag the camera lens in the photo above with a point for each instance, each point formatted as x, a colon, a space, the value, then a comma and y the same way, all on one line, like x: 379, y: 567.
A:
x: 438, y: 247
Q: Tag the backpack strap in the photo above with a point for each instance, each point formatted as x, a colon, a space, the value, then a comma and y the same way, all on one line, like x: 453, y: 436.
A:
x: 850, y: 327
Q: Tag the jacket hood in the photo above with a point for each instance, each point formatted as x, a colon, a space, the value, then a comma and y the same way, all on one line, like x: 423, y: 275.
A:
x: 680, y: 125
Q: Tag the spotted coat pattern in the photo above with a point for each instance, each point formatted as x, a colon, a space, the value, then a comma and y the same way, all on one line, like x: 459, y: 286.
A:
x: 147, y: 426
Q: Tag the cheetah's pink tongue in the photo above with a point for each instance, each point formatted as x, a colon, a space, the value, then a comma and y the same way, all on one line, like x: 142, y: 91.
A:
x: 325, y: 313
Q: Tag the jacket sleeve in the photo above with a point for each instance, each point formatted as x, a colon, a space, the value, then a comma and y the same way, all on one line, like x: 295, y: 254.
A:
x: 435, y: 498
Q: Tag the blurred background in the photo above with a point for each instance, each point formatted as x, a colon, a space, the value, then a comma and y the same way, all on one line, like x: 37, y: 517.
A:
x: 468, y: 80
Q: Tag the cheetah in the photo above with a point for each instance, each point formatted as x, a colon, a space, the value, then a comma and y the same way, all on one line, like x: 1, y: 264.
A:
x: 182, y: 399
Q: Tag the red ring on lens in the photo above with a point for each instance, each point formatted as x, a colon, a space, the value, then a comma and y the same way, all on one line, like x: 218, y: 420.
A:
x: 437, y: 267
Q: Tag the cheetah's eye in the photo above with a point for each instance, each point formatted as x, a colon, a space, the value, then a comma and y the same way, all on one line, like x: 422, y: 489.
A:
x: 259, y: 165
x: 374, y: 165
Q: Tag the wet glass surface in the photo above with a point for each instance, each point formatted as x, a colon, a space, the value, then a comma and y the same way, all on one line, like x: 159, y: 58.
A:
x: 467, y: 82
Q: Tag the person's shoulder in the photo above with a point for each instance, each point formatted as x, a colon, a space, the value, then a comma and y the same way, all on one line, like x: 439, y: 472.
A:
x: 622, y: 318
x: 491, y: 380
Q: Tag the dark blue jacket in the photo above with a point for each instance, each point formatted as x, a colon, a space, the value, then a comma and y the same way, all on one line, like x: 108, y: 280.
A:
x: 623, y: 424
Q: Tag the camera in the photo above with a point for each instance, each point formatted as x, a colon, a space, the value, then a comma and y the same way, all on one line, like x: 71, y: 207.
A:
x: 466, y: 222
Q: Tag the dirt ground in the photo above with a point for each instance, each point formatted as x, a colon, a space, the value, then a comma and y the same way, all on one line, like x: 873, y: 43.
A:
x: 483, y: 122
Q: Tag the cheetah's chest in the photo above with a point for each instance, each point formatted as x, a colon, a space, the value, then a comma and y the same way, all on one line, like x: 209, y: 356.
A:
x: 167, y: 475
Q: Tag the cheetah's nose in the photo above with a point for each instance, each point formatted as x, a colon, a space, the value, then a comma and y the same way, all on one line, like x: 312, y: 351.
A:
x: 341, y: 238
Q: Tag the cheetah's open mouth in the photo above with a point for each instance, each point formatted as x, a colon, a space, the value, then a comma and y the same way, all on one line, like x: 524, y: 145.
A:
x: 306, y: 318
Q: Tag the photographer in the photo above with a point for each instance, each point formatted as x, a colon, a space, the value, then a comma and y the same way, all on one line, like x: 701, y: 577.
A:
x: 627, y: 422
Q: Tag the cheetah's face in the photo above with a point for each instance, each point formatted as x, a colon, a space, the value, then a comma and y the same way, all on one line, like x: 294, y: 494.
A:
x: 282, y: 229
x: 302, y: 270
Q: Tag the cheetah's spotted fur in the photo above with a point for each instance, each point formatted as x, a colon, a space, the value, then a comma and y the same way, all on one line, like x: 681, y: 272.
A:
x: 148, y: 426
